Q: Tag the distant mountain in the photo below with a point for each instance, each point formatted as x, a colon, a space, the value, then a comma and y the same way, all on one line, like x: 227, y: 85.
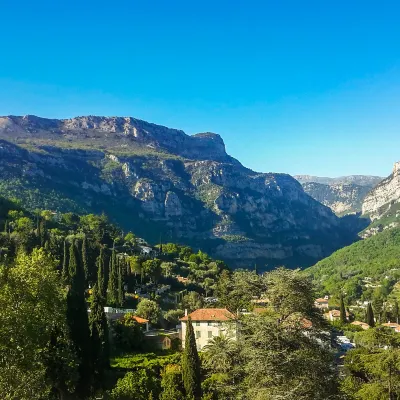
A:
x: 165, y: 185
x: 344, y: 195
x: 360, y: 180
x: 382, y: 204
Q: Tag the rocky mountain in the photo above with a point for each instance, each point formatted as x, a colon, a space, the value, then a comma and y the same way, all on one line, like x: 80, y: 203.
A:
x: 341, y: 198
x: 359, y: 180
x: 382, y: 204
x: 164, y: 184
x: 344, y: 195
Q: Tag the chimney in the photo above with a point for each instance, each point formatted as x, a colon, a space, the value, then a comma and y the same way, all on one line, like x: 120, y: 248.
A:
x: 186, y: 313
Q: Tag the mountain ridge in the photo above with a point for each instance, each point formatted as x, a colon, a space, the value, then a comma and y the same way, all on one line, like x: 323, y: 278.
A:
x: 161, y: 182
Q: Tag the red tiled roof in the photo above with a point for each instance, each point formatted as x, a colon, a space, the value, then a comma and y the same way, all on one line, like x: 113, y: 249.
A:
x: 210, y: 314
x: 336, y: 313
x: 392, y: 325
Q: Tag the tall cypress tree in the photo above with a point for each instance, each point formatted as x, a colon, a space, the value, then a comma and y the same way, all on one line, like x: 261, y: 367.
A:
x: 65, y: 272
x: 191, y: 365
x: 112, y: 289
x: 369, y: 319
x: 120, y: 284
x: 78, y: 322
x: 101, y: 279
x: 85, y: 259
x: 343, y: 318
x: 396, y: 311
x: 99, y: 337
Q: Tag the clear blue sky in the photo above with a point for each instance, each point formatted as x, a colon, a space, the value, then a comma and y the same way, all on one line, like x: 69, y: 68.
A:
x: 308, y: 87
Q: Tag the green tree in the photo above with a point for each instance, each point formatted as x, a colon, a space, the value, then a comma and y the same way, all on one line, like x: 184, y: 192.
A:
x: 192, y: 301
x: 396, y: 311
x: 150, y: 310
x: 138, y: 385
x: 77, y: 318
x: 65, y: 271
x: 85, y: 259
x: 121, y: 295
x: 152, y: 269
x: 219, y: 354
x: 112, y: 290
x: 99, y: 337
x: 171, y: 383
x: 343, y: 318
x: 369, y: 319
x: 191, y: 365
x: 101, y: 279
x: 35, y: 354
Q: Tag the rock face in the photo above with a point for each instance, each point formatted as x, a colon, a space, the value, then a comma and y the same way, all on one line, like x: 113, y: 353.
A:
x: 382, y: 204
x: 359, y: 180
x: 341, y: 198
x: 160, y: 181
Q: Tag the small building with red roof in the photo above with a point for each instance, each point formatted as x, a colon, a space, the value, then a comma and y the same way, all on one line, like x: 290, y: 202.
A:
x: 208, y: 323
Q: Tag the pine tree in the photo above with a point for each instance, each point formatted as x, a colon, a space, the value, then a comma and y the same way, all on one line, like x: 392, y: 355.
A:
x: 191, y: 365
x: 85, y: 259
x: 78, y: 322
x: 99, y: 337
x: 343, y: 318
x: 396, y: 311
x: 369, y: 319
x: 101, y: 279
x: 112, y: 289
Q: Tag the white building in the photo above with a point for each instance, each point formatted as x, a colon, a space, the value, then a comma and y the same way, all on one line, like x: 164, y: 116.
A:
x: 208, y: 323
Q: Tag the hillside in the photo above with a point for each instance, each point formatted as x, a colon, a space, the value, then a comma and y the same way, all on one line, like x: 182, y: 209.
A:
x: 382, y: 204
x: 361, y: 267
x: 165, y: 184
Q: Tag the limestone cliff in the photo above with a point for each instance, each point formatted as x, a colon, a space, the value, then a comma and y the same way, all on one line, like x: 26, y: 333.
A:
x: 382, y: 204
x: 161, y: 182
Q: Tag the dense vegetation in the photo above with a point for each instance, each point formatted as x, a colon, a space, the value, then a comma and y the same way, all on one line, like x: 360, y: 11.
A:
x: 54, y: 267
x: 364, y: 269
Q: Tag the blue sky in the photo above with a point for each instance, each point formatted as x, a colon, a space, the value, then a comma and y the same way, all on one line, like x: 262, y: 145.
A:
x: 303, y: 87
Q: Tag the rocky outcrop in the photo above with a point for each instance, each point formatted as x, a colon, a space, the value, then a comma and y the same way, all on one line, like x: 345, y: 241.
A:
x: 340, y: 198
x: 159, y: 181
x: 384, y: 196
x: 359, y: 180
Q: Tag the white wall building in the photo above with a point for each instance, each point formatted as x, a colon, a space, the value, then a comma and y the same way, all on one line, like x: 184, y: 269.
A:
x: 208, y: 323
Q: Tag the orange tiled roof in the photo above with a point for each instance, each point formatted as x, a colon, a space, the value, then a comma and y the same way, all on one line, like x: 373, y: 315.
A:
x: 210, y: 314
x: 139, y: 320
x: 320, y: 300
x: 392, y: 325
x: 362, y: 324
x: 336, y: 313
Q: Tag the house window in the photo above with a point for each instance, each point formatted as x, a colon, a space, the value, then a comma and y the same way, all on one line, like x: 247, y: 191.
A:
x: 198, y: 334
x: 210, y: 335
x: 197, y: 323
x: 209, y: 323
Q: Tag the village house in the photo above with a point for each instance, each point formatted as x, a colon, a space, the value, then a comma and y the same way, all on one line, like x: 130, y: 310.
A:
x: 392, y: 325
x: 322, y: 303
x: 361, y: 324
x: 334, y: 315
x: 208, y: 323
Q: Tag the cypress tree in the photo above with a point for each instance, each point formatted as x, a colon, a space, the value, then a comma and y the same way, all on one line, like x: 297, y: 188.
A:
x: 6, y: 227
x: 120, y: 285
x: 101, y: 279
x: 396, y: 311
x: 65, y: 272
x: 85, y: 259
x: 112, y: 289
x: 343, y: 318
x: 78, y: 322
x: 369, y: 319
x: 99, y: 337
x: 191, y: 365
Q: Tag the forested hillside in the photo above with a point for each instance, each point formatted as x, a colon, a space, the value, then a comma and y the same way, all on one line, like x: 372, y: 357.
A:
x: 368, y: 266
